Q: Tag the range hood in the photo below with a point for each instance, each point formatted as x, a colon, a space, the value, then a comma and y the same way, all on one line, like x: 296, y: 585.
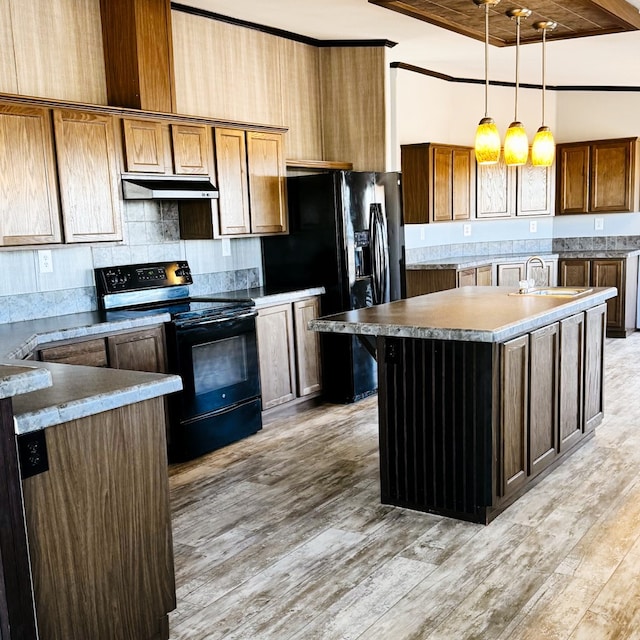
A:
x: 138, y: 187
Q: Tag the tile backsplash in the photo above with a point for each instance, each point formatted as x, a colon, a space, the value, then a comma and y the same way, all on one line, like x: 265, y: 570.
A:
x: 151, y: 233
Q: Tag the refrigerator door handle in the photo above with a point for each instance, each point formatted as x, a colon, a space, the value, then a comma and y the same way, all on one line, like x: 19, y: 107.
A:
x: 379, y: 253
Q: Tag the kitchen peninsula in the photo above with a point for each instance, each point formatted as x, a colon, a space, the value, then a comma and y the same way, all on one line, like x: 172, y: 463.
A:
x: 482, y: 391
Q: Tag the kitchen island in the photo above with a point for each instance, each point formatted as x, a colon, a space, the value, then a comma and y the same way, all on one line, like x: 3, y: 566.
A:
x: 481, y: 391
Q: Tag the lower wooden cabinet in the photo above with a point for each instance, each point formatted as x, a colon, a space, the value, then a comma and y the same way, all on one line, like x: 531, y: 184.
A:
x: 99, y: 527
x: 509, y: 274
x: 288, y: 352
x: 422, y: 281
x: 621, y: 273
x: 552, y: 395
x: 141, y: 350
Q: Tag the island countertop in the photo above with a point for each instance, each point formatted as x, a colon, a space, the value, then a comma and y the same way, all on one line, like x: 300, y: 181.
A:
x: 471, y: 314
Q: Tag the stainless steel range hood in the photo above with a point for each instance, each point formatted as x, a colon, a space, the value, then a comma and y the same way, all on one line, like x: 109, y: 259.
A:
x: 138, y: 187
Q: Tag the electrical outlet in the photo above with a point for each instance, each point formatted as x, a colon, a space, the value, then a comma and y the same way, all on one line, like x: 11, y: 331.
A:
x: 422, y: 233
x: 533, y: 226
x: 226, y: 247
x: 598, y: 224
x: 466, y: 229
x: 45, y: 261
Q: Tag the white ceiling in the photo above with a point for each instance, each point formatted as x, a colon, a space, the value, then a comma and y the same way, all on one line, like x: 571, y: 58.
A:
x: 593, y: 61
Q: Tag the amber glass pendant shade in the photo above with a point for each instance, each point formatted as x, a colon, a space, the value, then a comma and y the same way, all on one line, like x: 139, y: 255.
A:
x: 543, y: 150
x: 487, y: 144
x: 516, y: 145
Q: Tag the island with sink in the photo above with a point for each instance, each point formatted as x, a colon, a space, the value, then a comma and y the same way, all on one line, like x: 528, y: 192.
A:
x: 482, y: 391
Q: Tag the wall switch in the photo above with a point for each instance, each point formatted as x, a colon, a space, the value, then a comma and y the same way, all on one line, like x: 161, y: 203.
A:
x: 533, y: 226
x: 45, y: 261
x: 422, y: 233
x: 226, y: 247
x: 466, y: 229
x: 598, y: 224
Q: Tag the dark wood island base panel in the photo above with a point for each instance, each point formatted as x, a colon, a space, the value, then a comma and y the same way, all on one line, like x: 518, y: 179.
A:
x: 468, y: 427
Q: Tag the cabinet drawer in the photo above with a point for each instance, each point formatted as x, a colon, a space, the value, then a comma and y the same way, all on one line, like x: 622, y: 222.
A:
x: 92, y: 353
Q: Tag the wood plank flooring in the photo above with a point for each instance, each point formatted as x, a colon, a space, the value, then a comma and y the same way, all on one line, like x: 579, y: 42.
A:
x: 282, y: 536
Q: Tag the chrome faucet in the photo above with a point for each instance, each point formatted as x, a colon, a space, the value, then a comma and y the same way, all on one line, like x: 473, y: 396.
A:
x: 528, y: 284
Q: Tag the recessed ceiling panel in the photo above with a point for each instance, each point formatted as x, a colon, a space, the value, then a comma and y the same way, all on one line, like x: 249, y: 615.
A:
x: 575, y: 18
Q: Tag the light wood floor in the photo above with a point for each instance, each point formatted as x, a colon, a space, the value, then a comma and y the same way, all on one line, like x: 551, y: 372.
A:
x: 282, y: 536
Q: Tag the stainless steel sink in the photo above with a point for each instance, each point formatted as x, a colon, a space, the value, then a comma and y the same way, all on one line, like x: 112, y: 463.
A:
x: 553, y: 292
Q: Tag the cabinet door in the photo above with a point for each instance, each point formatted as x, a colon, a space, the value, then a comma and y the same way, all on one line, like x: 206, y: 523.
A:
x: 514, y: 402
x: 422, y: 281
x: 574, y: 273
x: 144, y: 147
x: 191, y: 149
x: 92, y: 353
x: 496, y: 190
x: 595, y: 328
x: 543, y: 276
x: 467, y: 277
x: 231, y: 167
x: 307, y: 346
x: 534, y: 190
x: 89, y: 176
x: 267, y: 182
x: 572, y: 178
x: 484, y: 276
x: 543, y: 398
x: 570, y: 388
x: 415, y: 165
x: 29, y: 207
x: 612, y: 173
x: 610, y: 273
x: 442, y: 184
x: 274, y: 327
x: 138, y: 351
x: 510, y: 274
x: 462, y: 183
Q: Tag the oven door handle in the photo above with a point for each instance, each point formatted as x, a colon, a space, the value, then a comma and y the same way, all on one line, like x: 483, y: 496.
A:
x: 198, y: 322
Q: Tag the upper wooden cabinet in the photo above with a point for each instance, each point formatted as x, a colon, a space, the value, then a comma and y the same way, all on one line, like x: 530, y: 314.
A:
x: 88, y: 173
x: 252, y: 182
x: 29, y: 208
x: 438, y: 182
x: 596, y: 177
x: 505, y: 191
x: 152, y: 146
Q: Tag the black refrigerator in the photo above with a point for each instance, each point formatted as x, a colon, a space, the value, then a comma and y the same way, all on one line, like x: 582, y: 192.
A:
x: 346, y: 233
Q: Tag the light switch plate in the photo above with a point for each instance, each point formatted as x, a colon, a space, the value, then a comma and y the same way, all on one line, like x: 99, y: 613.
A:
x: 466, y: 229
x: 598, y: 224
x: 533, y: 226
x: 226, y: 247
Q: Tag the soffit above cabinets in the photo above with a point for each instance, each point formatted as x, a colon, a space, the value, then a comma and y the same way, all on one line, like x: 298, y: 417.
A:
x: 575, y: 18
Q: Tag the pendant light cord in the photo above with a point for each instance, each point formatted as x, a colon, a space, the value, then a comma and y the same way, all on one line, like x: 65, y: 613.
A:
x: 517, y: 63
x: 486, y: 60
x: 544, y: 34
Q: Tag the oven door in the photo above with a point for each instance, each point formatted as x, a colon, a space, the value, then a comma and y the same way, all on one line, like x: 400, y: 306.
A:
x: 218, y: 362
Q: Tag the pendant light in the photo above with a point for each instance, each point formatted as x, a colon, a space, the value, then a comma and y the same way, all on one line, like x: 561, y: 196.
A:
x: 487, y: 144
x: 543, y: 150
x: 516, y: 143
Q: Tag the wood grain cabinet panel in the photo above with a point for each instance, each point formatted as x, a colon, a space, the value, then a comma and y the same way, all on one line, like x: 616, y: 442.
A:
x: 484, y: 275
x: 543, y: 398
x: 89, y: 175
x: 596, y: 176
x: 510, y: 274
x: 267, y: 182
x: 191, y: 149
x: 29, y: 206
x: 307, y: 347
x: 570, y: 388
x: 138, y: 351
x: 438, y: 182
x: 610, y: 273
x: 91, y: 353
x: 514, y: 416
x: 144, y: 146
x: 496, y: 190
x: 231, y: 165
x: 533, y: 190
x: 594, y: 336
x: 274, y: 327
x: 574, y: 273
x: 99, y: 527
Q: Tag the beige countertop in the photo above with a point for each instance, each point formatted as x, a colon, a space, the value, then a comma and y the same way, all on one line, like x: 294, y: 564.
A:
x: 472, y: 314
